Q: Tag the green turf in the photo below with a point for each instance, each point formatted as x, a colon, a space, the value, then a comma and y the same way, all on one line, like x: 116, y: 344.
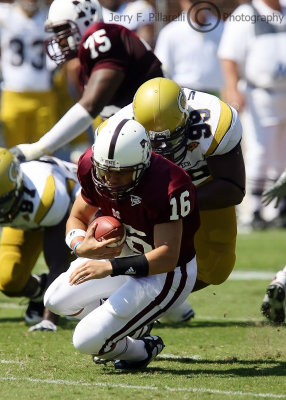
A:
x: 227, y: 352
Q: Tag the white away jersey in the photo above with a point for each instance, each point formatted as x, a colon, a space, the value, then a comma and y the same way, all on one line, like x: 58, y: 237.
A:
x: 23, y: 56
x: 215, y: 129
x: 50, y: 187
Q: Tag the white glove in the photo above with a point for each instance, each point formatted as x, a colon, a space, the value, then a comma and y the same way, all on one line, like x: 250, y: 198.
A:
x: 44, y: 325
x: 277, y: 191
x: 28, y: 152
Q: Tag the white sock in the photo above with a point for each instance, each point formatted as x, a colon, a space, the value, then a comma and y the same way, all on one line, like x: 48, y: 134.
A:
x: 127, y: 349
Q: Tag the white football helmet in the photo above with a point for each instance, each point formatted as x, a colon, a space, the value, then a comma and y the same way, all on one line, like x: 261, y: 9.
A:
x: 121, y: 146
x: 67, y: 21
x: 11, y: 187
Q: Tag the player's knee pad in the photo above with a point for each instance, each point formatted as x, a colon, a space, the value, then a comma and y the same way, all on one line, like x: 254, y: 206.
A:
x: 56, y: 302
x: 88, y: 341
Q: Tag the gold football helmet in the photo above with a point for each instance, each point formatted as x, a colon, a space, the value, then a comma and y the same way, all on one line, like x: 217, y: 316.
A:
x: 160, y: 105
x: 11, y: 187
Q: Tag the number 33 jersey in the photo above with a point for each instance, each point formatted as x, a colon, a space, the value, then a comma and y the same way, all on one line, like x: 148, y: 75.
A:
x: 50, y: 187
x: 23, y: 57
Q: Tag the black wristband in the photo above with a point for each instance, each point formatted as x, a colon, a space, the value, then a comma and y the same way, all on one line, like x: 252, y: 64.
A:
x: 131, y: 265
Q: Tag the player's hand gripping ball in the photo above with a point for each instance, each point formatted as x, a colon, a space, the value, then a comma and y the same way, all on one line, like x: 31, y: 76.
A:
x: 109, y: 227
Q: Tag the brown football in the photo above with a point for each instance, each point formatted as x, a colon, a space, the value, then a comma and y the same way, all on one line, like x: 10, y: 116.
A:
x: 109, y: 227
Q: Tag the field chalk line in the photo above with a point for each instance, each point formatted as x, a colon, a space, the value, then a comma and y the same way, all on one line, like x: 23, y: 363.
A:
x: 154, y: 388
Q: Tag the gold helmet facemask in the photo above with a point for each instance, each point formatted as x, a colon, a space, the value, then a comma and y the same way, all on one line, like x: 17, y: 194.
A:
x: 11, y: 188
x: 160, y: 106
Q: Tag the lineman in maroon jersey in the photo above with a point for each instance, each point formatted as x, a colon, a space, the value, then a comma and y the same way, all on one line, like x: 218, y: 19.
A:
x: 114, y: 62
x: 160, y: 214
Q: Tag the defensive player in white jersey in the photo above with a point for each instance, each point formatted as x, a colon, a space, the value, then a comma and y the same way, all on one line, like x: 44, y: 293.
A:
x: 28, y: 102
x: 202, y: 134
x: 35, y: 199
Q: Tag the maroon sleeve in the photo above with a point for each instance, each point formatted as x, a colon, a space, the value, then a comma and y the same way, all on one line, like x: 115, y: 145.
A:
x: 85, y: 179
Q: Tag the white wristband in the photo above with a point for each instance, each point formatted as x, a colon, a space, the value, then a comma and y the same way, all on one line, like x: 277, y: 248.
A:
x: 72, y: 234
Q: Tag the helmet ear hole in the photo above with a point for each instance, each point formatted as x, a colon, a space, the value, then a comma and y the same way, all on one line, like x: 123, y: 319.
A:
x: 11, y: 185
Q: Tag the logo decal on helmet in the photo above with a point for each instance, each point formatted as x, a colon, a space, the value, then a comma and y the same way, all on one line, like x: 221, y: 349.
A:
x: 13, y: 171
x: 109, y: 163
x: 182, y: 102
x: 83, y: 10
x: 146, y: 146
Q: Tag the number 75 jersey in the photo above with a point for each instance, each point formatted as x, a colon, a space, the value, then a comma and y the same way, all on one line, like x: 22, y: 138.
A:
x: 214, y: 130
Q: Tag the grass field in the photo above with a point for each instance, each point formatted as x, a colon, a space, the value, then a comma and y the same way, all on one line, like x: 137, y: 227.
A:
x: 227, y: 352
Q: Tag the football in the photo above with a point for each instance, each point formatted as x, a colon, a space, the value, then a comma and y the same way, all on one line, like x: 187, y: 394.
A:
x: 109, y: 227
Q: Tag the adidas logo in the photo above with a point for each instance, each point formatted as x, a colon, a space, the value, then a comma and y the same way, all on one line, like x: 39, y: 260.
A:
x: 135, y: 200
x: 130, y: 271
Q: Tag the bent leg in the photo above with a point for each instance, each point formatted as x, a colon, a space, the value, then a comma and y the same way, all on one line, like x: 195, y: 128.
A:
x: 135, y: 304
x: 64, y: 299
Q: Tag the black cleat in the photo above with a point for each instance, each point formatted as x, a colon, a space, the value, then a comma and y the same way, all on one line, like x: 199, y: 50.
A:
x: 273, y: 305
x: 35, y: 310
x: 153, y: 344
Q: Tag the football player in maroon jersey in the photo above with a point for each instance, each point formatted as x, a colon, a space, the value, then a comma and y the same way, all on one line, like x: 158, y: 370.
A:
x: 156, y: 270
x: 114, y: 62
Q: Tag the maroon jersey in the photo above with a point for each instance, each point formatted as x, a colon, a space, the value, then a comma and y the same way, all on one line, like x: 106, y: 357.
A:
x: 115, y: 47
x: 165, y: 193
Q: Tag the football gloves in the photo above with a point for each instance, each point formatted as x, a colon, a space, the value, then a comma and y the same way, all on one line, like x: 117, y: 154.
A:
x: 44, y: 325
x: 276, y: 192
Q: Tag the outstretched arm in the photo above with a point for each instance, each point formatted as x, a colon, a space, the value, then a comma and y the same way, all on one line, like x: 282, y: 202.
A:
x: 101, y: 87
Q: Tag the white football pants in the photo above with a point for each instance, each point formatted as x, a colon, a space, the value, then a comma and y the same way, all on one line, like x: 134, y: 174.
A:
x: 131, y: 304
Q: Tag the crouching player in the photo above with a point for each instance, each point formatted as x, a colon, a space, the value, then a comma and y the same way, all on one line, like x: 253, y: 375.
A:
x: 156, y: 201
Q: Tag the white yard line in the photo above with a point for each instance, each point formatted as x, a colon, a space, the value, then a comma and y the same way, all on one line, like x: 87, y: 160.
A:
x: 147, y: 388
x: 251, y: 275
